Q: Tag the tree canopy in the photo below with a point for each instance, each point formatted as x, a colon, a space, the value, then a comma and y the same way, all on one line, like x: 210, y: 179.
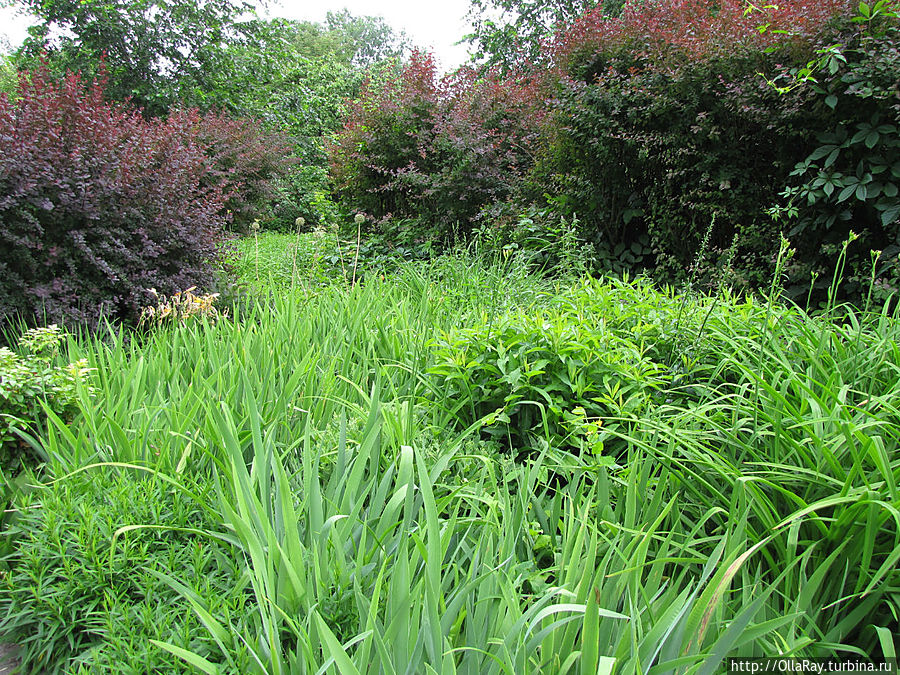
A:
x: 152, y: 50
x: 508, y: 32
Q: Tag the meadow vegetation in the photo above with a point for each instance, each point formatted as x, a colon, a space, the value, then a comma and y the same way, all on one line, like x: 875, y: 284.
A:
x: 582, y: 360
x: 465, y: 467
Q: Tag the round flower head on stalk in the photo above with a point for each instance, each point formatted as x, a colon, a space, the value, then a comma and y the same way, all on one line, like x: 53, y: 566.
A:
x: 299, y: 222
x: 359, y: 219
x: 255, y: 224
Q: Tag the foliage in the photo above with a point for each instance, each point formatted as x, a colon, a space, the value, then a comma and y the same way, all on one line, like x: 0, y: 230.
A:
x: 155, y: 53
x: 302, y: 193
x: 549, y: 242
x: 245, y: 160
x: 296, y: 74
x: 87, y: 592
x: 663, y: 125
x: 414, y: 146
x: 550, y: 371
x: 295, y: 77
x: 671, y: 34
x: 507, y: 33
x: 32, y: 380
x: 98, y: 205
x: 364, y: 41
x: 598, y: 354
x: 9, y: 78
x: 851, y: 180
x: 647, y: 161
x: 272, y: 262
x: 745, y: 507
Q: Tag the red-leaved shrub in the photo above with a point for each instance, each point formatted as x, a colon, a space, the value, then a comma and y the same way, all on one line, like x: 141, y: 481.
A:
x: 438, y: 149
x: 246, y: 159
x: 668, y: 34
x: 97, y: 204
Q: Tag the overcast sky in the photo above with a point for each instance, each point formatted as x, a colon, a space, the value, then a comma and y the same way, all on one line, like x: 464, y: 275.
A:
x: 433, y: 24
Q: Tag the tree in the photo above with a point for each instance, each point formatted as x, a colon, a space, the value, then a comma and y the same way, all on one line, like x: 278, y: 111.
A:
x: 297, y: 76
x: 153, y: 50
x: 364, y: 41
x: 507, y: 33
x: 8, y: 76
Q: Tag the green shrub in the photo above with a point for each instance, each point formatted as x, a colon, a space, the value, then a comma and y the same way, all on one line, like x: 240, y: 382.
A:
x: 30, y: 380
x: 647, y: 160
x: 302, y: 193
x: 570, y: 372
x: 666, y: 123
x: 530, y: 373
x: 851, y: 180
x: 9, y: 77
x: 73, y: 601
x: 581, y: 367
x: 549, y: 242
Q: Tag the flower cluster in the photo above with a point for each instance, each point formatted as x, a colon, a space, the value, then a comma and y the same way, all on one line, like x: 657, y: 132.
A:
x: 180, y: 308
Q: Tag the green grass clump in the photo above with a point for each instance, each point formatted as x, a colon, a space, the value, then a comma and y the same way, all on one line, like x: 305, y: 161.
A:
x: 705, y: 477
x: 86, y: 592
x: 274, y: 262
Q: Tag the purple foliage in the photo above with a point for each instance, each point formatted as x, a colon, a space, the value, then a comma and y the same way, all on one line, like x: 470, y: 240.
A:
x: 97, y: 204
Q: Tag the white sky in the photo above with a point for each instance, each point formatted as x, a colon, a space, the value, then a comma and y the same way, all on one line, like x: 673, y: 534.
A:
x: 432, y: 24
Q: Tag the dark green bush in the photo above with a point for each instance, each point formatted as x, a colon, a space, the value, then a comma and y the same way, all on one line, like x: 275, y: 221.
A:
x: 851, y: 180
x: 665, y: 129
x: 647, y: 161
x: 540, y: 236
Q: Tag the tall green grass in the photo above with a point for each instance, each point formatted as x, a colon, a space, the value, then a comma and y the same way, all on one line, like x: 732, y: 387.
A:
x: 747, y: 507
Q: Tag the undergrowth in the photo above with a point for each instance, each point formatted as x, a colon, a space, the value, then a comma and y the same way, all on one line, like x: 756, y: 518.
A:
x: 460, y: 467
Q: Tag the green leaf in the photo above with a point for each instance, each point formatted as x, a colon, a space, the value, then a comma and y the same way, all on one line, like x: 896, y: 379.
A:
x: 888, y: 216
x: 590, y: 643
x: 820, y: 152
x: 194, y: 659
x: 859, y: 136
x: 886, y: 640
x: 846, y: 193
x: 872, y: 139
x: 334, y: 649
